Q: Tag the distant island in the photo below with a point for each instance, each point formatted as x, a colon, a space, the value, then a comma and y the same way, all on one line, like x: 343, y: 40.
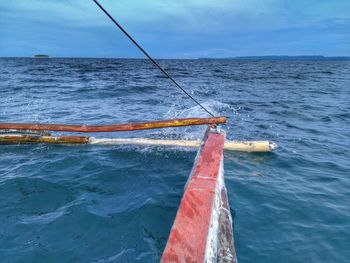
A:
x: 41, y: 56
x: 319, y: 58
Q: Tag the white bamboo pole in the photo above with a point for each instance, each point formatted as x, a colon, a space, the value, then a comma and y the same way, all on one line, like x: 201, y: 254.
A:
x: 243, y: 146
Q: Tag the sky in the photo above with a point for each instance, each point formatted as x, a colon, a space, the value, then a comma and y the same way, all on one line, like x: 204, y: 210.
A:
x: 175, y: 28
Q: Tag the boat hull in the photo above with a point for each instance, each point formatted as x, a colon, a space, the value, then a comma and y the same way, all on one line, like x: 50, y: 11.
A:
x: 202, y: 230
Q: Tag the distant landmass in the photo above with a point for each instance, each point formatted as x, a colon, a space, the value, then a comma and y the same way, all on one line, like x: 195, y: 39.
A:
x: 285, y: 58
x: 41, y: 56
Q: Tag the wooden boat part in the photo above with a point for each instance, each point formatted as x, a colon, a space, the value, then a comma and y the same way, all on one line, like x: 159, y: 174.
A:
x: 23, y: 138
x: 250, y: 146
x: 29, y: 132
x: 114, y: 127
x: 202, y: 230
x: 145, y: 141
x: 242, y: 146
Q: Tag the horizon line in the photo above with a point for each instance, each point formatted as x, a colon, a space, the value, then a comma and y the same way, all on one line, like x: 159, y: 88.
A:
x: 184, y: 58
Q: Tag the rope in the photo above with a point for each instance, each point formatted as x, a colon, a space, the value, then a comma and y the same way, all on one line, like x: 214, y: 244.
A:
x: 150, y: 58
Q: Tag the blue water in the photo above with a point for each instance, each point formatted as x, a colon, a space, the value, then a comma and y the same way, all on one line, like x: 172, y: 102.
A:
x: 117, y: 204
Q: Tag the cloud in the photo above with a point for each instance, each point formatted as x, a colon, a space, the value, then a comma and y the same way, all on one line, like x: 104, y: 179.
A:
x: 188, y: 28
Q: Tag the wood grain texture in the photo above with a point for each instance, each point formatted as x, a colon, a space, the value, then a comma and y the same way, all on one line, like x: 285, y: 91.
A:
x: 113, y: 127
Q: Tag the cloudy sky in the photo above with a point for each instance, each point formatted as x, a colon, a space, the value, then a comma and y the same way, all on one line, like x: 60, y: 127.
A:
x: 175, y: 28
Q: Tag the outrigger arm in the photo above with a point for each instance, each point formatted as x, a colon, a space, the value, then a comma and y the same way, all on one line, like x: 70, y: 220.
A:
x: 20, y: 133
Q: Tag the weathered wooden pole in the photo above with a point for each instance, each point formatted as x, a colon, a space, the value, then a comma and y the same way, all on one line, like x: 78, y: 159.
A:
x: 23, y: 139
x: 113, y: 127
x: 241, y: 146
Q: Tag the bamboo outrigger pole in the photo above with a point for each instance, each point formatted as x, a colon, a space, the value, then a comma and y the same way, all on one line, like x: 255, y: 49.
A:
x: 12, y: 138
x: 241, y: 146
x: 113, y: 127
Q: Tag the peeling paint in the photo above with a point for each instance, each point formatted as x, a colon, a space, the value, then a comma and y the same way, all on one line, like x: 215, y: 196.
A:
x: 199, y: 236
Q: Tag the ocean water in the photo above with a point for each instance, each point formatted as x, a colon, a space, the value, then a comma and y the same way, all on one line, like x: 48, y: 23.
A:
x: 117, y: 204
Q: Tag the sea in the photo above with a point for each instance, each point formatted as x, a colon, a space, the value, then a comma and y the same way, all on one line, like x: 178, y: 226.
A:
x: 109, y: 203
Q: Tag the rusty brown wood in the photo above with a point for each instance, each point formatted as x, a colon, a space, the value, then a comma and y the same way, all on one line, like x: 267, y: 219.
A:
x: 114, y: 127
x: 21, y: 139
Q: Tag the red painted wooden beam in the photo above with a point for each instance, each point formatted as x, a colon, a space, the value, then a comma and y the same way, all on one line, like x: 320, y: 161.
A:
x: 195, y: 234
